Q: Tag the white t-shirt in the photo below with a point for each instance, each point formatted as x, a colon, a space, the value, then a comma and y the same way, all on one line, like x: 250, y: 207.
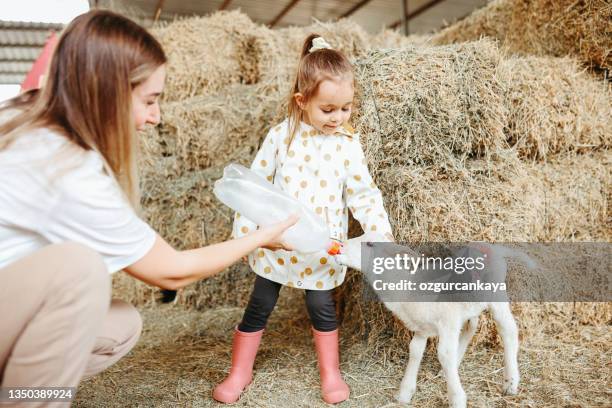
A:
x: 53, y: 191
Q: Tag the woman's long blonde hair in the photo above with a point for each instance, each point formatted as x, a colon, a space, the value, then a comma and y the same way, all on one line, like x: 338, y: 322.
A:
x: 87, y: 96
x: 314, y: 68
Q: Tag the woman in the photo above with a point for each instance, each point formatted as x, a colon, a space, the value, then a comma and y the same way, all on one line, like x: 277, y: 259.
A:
x: 68, y: 190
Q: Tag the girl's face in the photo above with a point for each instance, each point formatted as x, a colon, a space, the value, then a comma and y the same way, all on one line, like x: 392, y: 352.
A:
x: 145, y: 99
x: 330, y: 107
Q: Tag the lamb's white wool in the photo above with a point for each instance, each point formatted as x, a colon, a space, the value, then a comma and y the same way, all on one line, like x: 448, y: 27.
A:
x: 453, y: 322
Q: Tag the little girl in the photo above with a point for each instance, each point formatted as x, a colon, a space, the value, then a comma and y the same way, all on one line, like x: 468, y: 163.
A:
x: 315, y: 156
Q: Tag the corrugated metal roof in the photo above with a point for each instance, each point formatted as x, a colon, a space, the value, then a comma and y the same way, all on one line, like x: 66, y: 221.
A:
x: 20, y: 44
x: 11, y: 78
x: 15, y: 53
x: 23, y: 37
x: 10, y: 67
x: 26, y: 33
x: 30, y: 25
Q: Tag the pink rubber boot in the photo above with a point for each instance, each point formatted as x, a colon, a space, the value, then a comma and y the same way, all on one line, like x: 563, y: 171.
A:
x: 244, y: 350
x: 333, y: 387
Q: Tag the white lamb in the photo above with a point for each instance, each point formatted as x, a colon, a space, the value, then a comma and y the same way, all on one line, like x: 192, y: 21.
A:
x: 454, y: 323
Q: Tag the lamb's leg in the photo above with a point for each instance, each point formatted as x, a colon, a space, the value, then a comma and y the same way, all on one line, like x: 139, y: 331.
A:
x: 408, y: 385
x: 509, y: 334
x: 466, y: 336
x: 447, y: 354
x: 464, y: 340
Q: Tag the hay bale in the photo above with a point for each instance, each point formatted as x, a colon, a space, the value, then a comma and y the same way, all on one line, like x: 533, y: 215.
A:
x: 394, y: 39
x: 184, y: 210
x: 425, y: 204
x: 132, y: 290
x: 206, y: 54
x: 564, y: 200
x: 572, y: 196
x: 546, y: 319
x: 493, y: 21
x: 213, y: 130
x: 431, y: 105
x: 499, y: 201
x: 200, y: 135
x: 554, y: 107
x: 540, y: 27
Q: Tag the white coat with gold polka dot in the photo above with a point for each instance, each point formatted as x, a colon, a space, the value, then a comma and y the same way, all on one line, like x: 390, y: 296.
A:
x: 329, y: 174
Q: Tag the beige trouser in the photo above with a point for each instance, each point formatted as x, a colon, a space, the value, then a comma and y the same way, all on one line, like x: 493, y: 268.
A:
x: 57, y: 323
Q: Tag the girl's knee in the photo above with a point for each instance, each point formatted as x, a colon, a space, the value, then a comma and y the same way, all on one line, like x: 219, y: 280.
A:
x: 263, y: 304
x: 319, y: 299
x: 264, y: 296
x: 322, y: 310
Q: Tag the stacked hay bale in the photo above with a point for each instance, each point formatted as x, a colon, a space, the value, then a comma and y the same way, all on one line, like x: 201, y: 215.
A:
x: 208, y: 131
x: 464, y: 144
x: 431, y: 105
x: 444, y: 134
x: 394, y: 39
x: 554, y: 107
x: 206, y: 54
x: 541, y: 27
x: 572, y: 197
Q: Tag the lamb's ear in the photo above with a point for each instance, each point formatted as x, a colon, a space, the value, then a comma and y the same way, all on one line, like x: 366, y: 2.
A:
x: 481, y: 246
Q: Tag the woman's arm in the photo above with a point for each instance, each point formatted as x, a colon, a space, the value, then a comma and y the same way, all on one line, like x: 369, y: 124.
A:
x: 168, y: 268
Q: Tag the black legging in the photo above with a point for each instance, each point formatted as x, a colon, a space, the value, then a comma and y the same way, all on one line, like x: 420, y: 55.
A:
x: 320, y: 305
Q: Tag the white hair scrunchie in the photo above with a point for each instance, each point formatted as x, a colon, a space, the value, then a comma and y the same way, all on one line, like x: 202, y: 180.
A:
x: 319, y: 44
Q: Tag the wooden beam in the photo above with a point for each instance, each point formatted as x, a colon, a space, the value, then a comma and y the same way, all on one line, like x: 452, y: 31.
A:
x: 416, y: 12
x: 405, y: 17
x: 158, y: 10
x: 355, y: 8
x: 280, y: 15
x: 225, y: 4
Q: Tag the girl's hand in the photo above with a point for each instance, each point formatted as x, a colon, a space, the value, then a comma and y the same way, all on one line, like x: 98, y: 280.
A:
x: 272, y: 234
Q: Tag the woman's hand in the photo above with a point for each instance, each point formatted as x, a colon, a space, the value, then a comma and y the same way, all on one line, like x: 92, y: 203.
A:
x: 273, y: 233
x: 168, y: 268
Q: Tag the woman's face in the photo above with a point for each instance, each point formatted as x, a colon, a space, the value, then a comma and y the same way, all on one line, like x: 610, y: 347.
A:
x: 145, y: 99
